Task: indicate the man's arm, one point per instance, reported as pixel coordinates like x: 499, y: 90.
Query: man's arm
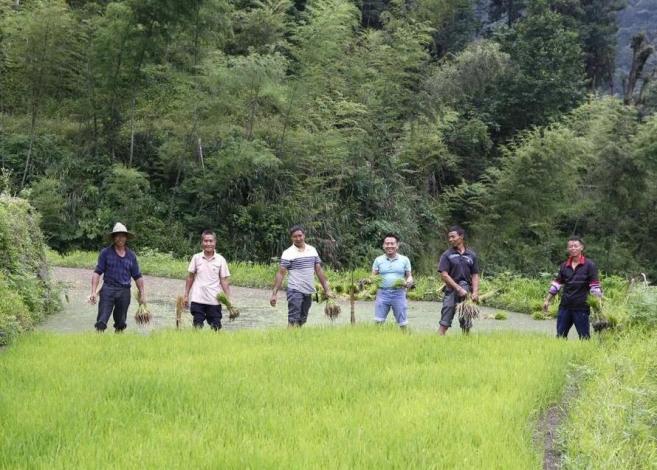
x: 554, y: 289
x: 278, y: 281
x: 225, y: 285
x: 322, y: 279
x: 188, y: 287
x: 95, y: 278
x: 475, y: 287
x: 142, y: 291
x: 444, y: 275
x: 409, y: 278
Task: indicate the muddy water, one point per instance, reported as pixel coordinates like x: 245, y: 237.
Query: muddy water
x: 256, y: 312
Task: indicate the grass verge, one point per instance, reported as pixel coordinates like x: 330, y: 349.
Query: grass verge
x: 334, y: 397
x: 613, y: 423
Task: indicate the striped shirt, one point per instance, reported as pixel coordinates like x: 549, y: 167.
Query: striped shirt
x: 117, y: 270
x: 300, y: 265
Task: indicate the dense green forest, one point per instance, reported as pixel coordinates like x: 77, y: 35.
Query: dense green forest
x: 353, y: 118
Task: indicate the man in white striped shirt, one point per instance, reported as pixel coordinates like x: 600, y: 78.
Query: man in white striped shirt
x: 301, y: 262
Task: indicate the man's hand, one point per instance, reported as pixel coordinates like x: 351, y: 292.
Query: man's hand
x: 92, y: 299
x: 475, y: 297
x: 461, y: 292
x: 142, y: 298
x: 272, y: 300
x: 546, y: 305
x: 186, y: 300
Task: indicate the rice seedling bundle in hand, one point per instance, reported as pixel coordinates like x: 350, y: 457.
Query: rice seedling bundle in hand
x: 143, y: 315
x: 331, y: 309
x: 467, y: 311
x: 180, y: 308
x: 233, y: 312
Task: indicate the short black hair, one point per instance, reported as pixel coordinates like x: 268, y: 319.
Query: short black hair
x: 208, y: 232
x: 390, y: 235
x: 296, y: 228
x: 458, y: 229
x: 575, y: 238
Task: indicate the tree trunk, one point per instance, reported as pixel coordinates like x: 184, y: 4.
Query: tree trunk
x: 352, y: 299
x: 132, y: 130
x: 641, y: 52
x: 29, y: 149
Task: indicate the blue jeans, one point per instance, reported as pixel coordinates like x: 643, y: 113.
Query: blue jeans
x: 387, y: 298
x: 569, y: 316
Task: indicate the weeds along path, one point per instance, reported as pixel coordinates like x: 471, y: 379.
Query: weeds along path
x: 78, y: 315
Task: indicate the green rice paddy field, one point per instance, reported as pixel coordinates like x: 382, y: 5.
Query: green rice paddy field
x: 337, y: 397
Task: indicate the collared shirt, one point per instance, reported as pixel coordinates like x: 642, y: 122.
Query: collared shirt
x: 459, y: 266
x: 208, y: 272
x: 117, y: 270
x: 300, y: 265
x: 577, y: 283
x: 391, y: 269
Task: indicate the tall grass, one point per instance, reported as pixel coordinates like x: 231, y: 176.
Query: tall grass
x: 613, y: 423
x: 336, y: 398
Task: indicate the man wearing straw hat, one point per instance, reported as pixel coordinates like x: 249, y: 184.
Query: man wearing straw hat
x: 118, y: 265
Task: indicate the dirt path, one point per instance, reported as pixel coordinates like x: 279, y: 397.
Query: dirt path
x: 78, y: 315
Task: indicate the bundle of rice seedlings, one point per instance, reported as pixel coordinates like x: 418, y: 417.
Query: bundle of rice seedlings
x: 233, y: 312
x: 467, y: 311
x: 331, y: 309
x: 399, y: 284
x: 143, y: 315
x: 599, y: 322
x: 180, y: 308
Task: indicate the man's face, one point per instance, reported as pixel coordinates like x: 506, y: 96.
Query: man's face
x: 208, y: 243
x: 390, y: 246
x: 298, y: 238
x: 454, y: 239
x: 120, y: 239
x: 575, y: 248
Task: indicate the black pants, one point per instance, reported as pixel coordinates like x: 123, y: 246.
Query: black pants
x: 205, y: 312
x: 113, y: 301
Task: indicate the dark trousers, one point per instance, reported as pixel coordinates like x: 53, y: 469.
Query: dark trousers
x: 568, y: 317
x: 205, y: 312
x: 298, y: 306
x: 113, y: 301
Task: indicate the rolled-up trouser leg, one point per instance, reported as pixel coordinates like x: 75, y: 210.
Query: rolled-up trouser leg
x: 298, y: 306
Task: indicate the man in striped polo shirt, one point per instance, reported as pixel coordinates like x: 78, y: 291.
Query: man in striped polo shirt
x: 301, y: 262
x: 396, y: 276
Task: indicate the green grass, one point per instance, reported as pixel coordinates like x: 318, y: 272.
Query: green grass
x: 613, y: 423
x: 336, y: 397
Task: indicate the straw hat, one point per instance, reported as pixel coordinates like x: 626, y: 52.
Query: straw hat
x: 120, y: 228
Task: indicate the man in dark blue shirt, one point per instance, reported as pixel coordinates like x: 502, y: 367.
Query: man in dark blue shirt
x: 118, y: 265
x: 577, y: 278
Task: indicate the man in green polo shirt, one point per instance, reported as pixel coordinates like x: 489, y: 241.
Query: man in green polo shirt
x: 395, y: 271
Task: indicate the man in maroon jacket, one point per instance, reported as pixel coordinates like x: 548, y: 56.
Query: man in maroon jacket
x: 578, y: 276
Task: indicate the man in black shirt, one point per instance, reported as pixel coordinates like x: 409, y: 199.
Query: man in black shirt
x: 578, y: 276
x: 459, y: 269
